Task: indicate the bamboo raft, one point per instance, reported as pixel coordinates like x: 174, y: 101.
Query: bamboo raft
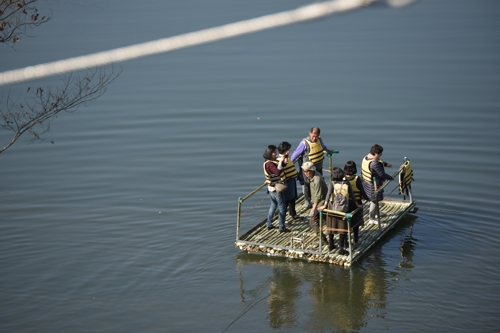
x: 302, y: 242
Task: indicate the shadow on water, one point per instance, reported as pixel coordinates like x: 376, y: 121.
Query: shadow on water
x: 323, y: 297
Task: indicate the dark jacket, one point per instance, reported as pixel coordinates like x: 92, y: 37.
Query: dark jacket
x: 378, y: 172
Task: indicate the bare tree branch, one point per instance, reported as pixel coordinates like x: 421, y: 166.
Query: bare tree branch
x: 16, y: 17
x: 33, y: 114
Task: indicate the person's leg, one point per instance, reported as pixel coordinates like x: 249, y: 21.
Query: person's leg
x: 301, y: 174
x: 314, y: 224
x: 280, y: 200
x: 291, y: 208
x: 343, y: 244
x: 272, y: 209
x: 319, y: 168
x: 331, y: 242
x: 307, y: 191
x: 373, y: 210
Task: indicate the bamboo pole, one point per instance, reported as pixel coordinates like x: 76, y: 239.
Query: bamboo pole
x: 320, y: 233
x: 377, y: 208
x: 349, y: 234
x: 252, y: 193
x: 238, y: 219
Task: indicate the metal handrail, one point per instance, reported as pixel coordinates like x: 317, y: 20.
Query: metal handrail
x: 384, y: 185
x: 346, y: 215
x: 377, y: 190
x: 242, y: 199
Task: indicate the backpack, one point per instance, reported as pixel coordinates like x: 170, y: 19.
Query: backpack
x: 340, y: 202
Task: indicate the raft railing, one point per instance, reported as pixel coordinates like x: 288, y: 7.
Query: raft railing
x: 242, y: 199
x: 359, y: 210
x: 349, y: 228
x: 348, y: 216
x: 384, y: 185
x: 240, y: 202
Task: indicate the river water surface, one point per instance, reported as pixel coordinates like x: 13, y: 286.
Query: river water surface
x: 126, y: 222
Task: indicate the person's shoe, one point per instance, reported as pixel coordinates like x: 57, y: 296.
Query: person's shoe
x: 295, y: 217
x: 373, y: 221
x: 343, y: 252
x: 271, y: 227
x: 331, y: 247
x: 309, y: 204
x: 285, y: 230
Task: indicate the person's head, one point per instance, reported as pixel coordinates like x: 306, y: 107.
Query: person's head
x: 350, y: 168
x: 314, y: 134
x: 337, y: 174
x: 270, y: 153
x: 376, y: 150
x: 284, y: 148
x: 309, y: 169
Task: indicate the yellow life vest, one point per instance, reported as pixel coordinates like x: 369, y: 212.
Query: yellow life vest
x: 339, y: 200
x: 366, y: 173
x: 355, y: 189
x: 315, y: 151
x: 273, y: 179
x: 405, y: 177
x: 341, y: 188
x: 290, y: 171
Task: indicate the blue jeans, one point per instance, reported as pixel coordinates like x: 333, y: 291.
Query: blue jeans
x: 277, y: 202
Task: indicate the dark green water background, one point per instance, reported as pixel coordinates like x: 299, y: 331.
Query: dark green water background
x: 126, y: 223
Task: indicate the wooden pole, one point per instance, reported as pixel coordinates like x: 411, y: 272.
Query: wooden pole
x: 238, y: 219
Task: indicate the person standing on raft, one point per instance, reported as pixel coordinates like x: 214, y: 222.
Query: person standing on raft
x: 372, y: 166
x: 311, y: 149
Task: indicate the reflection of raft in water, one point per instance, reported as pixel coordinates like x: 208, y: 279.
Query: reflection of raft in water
x: 302, y: 242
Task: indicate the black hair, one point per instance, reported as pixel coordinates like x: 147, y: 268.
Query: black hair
x: 350, y: 168
x: 283, y: 147
x: 337, y: 174
x: 376, y: 149
x: 315, y: 129
x: 268, y: 153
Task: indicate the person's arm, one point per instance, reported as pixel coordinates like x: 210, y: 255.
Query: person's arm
x: 359, y: 185
x: 353, y: 196
x: 378, y: 171
x: 323, y: 145
x: 328, y: 195
x: 315, y: 191
x: 272, y: 169
x: 301, y: 148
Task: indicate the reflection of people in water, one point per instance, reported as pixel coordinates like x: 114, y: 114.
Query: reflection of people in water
x: 282, y: 288
x: 342, y: 299
x: 282, y: 294
x: 339, y: 303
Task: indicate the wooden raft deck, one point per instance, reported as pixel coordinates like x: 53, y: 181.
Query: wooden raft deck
x: 301, y: 243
